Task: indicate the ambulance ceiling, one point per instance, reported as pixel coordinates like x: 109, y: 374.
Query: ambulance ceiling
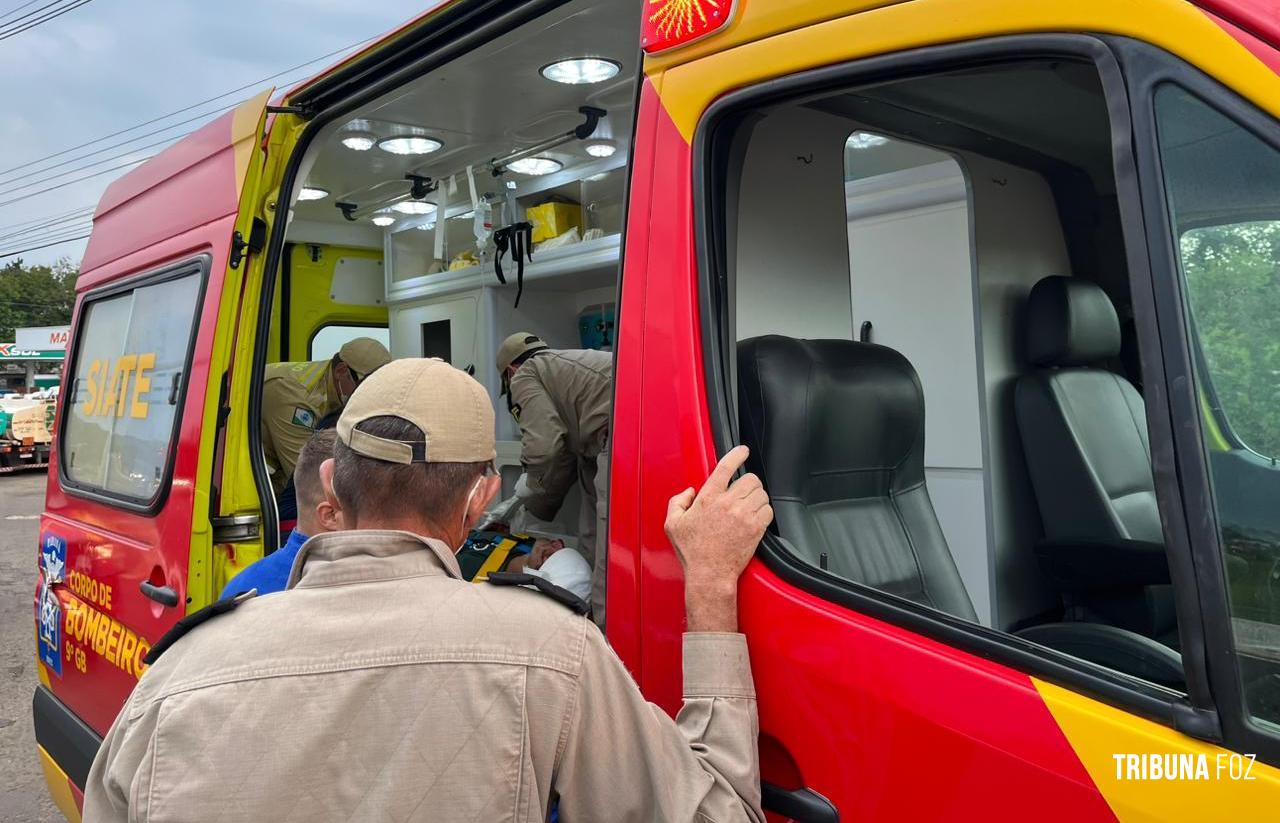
x: 487, y: 103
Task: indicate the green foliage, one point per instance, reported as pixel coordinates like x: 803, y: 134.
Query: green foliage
x: 35, y: 295
x: 1233, y: 276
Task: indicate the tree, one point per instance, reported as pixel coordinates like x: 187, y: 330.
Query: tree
x: 36, y: 295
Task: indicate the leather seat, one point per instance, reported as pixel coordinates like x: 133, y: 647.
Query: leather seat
x: 836, y: 430
x: 1084, y: 434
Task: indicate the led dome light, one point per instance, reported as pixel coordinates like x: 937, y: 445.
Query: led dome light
x: 412, y: 144
x: 359, y: 141
x: 313, y: 193
x: 601, y: 148
x: 579, y: 71
x: 382, y: 220
x: 865, y: 140
x: 535, y: 166
x: 414, y: 207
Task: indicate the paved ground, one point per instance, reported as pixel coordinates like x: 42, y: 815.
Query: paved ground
x: 23, y: 797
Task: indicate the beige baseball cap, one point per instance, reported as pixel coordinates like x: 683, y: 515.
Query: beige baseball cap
x: 515, y: 345
x: 364, y: 355
x: 451, y: 408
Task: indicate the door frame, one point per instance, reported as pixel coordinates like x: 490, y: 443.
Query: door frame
x: 1194, y: 714
x: 1146, y: 68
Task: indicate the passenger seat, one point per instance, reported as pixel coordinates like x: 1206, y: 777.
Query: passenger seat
x: 836, y: 430
x: 1084, y: 433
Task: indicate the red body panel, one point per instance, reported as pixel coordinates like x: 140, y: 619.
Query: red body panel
x: 191, y: 183
x: 1260, y: 18
x: 107, y: 544
x: 852, y: 708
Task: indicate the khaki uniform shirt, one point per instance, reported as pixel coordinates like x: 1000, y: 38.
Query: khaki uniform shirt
x: 562, y: 399
x: 381, y: 686
x: 295, y: 397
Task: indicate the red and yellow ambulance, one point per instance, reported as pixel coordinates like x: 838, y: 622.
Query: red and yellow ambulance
x: 990, y: 288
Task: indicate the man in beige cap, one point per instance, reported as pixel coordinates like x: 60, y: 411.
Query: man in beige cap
x: 297, y: 396
x: 405, y: 693
x: 562, y: 399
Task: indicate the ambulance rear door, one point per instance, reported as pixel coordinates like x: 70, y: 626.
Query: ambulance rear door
x: 129, y: 481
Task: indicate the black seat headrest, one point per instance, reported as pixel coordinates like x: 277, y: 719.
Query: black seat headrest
x: 1070, y: 322
x: 830, y: 419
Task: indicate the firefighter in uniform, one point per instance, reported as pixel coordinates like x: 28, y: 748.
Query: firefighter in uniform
x: 562, y: 399
x: 402, y: 692
x: 297, y: 396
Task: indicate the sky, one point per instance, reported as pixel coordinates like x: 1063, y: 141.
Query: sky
x: 113, y: 64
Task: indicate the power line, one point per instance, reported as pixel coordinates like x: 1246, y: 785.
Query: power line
x: 187, y: 108
x: 119, y: 144
x: 5, y: 35
x: 48, y: 224
x: 88, y: 166
x: 72, y: 181
x: 46, y: 217
x: 50, y: 234
x: 48, y: 238
x: 38, y: 248
x: 17, y: 20
x: 36, y: 234
x: 11, y: 12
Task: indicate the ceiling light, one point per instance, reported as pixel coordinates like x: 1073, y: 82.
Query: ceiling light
x: 359, y: 141
x: 426, y: 226
x: 313, y: 193
x: 410, y: 145
x: 601, y: 148
x: 865, y: 140
x: 382, y: 220
x: 581, y: 70
x: 414, y: 207
x: 535, y: 165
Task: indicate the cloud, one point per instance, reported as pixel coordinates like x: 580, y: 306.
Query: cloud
x: 108, y: 66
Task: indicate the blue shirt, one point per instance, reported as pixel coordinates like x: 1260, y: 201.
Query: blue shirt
x: 271, y: 573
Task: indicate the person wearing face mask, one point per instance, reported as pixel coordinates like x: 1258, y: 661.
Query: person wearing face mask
x: 297, y: 396
x: 402, y: 692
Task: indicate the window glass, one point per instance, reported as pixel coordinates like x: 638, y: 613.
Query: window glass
x: 131, y: 359
x: 326, y: 342
x: 1223, y: 187
x: 885, y: 249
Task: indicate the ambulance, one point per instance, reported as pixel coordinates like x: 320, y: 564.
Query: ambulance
x: 990, y: 288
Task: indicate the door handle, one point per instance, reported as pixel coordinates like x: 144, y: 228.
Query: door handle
x: 801, y: 805
x: 164, y: 595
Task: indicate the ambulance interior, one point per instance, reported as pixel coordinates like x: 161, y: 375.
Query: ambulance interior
x: 382, y: 235
x: 913, y: 220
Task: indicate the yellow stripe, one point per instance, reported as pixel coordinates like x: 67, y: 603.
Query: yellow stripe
x: 1098, y: 732
x: 494, y: 561
x: 59, y: 786
x: 1170, y: 24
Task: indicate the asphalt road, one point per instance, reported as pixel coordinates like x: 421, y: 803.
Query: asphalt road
x: 23, y: 797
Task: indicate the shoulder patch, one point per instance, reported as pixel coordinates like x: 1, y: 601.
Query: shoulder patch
x: 562, y: 596
x: 515, y: 411
x: 304, y: 417
x: 194, y: 619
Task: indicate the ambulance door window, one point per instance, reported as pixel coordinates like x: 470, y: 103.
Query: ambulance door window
x: 131, y: 362
x: 1223, y: 188
x: 328, y: 339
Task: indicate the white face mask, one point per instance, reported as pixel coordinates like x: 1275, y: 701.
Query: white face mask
x: 466, y: 509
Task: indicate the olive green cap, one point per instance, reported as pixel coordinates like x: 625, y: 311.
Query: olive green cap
x: 364, y: 355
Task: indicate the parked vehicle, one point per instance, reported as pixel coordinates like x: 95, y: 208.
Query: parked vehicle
x: 987, y: 286
x: 26, y: 432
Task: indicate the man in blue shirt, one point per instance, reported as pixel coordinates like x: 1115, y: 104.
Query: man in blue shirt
x: 315, y: 515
